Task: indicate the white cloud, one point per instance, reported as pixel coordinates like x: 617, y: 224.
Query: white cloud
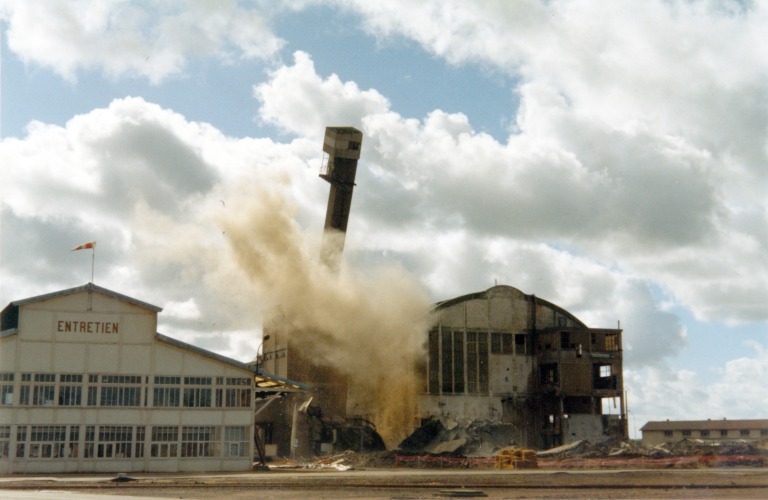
x: 636, y: 163
x: 661, y: 392
x: 144, y: 39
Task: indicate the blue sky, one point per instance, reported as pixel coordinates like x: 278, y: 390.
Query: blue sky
x: 611, y: 158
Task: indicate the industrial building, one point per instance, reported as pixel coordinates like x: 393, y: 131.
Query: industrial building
x: 530, y: 370
x: 500, y: 356
x: 518, y: 360
x: 712, y: 431
x: 88, y: 385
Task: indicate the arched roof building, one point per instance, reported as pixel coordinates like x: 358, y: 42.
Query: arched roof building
x: 526, y: 364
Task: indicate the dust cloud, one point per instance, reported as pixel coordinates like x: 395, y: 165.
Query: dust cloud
x: 368, y: 325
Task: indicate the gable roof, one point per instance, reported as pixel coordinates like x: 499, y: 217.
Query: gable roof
x: 88, y: 287
x: 712, y: 425
x: 9, y: 317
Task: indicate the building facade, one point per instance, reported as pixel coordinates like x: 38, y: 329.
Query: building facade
x: 88, y: 385
x: 714, y: 431
x: 515, y: 359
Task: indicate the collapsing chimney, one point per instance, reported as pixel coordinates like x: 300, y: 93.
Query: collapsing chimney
x: 342, y: 144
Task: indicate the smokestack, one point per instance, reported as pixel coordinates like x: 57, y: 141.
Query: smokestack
x: 342, y: 145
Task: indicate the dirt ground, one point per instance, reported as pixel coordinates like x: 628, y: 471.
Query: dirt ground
x: 414, y: 484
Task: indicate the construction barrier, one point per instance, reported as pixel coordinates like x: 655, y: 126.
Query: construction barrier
x: 516, y: 458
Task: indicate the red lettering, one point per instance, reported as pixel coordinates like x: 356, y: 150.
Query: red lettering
x: 114, y: 328
x: 82, y: 327
x: 60, y: 324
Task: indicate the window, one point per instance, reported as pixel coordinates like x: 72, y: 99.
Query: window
x: 446, y: 359
x: 452, y: 360
x: 744, y: 432
x: 565, y: 340
x: 21, y: 440
x: 166, y: 395
x: 120, y: 396
x: 605, y: 370
x: 6, y: 388
x: 37, y: 389
x: 723, y: 432
x: 70, y: 394
x: 501, y: 343
x: 90, y: 441
x: 197, y: 397
x: 120, y: 390
x: 47, y: 441
x: 238, y: 396
x: 549, y: 373
x: 686, y: 433
x: 433, y: 353
x: 764, y: 432
x: 115, y: 441
x: 234, y: 398
x: 165, y: 441
x: 5, y: 441
x: 611, y: 342
x: 74, y: 442
x: 197, y: 380
x: 703, y: 433
x: 198, y: 441
x: 236, y: 441
x: 520, y: 344
x: 472, y: 367
x: 668, y: 433
x: 458, y: 362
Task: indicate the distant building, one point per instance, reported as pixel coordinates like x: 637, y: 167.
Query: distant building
x: 671, y: 431
x: 88, y: 385
x: 515, y: 359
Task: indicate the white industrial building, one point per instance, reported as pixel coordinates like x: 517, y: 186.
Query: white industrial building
x: 88, y: 385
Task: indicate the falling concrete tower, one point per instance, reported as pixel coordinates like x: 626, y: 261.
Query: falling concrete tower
x: 342, y: 145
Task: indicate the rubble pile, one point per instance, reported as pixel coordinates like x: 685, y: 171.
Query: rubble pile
x: 451, y: 444
x: 706, y: 452
x: 473, y: 438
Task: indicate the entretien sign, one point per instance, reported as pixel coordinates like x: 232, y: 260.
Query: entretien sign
x: 98, y: 327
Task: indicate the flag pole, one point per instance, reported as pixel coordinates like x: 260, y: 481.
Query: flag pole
x: 92, y: 246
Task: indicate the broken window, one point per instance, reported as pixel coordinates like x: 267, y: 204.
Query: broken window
x: 520, y: 344
x: 549, y: 373
x: 602, y: 378
x: 565, y: 340
x: 611, y: 342
x: 611, y: 406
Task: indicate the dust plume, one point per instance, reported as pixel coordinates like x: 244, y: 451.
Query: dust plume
x: 366, y: 324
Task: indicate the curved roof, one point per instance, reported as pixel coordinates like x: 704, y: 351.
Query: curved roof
x: 507, y: 290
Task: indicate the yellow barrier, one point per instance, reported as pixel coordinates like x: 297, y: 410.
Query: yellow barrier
x: 516, y: 458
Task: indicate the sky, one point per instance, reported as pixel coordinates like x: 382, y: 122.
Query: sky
x: 610, y: 157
